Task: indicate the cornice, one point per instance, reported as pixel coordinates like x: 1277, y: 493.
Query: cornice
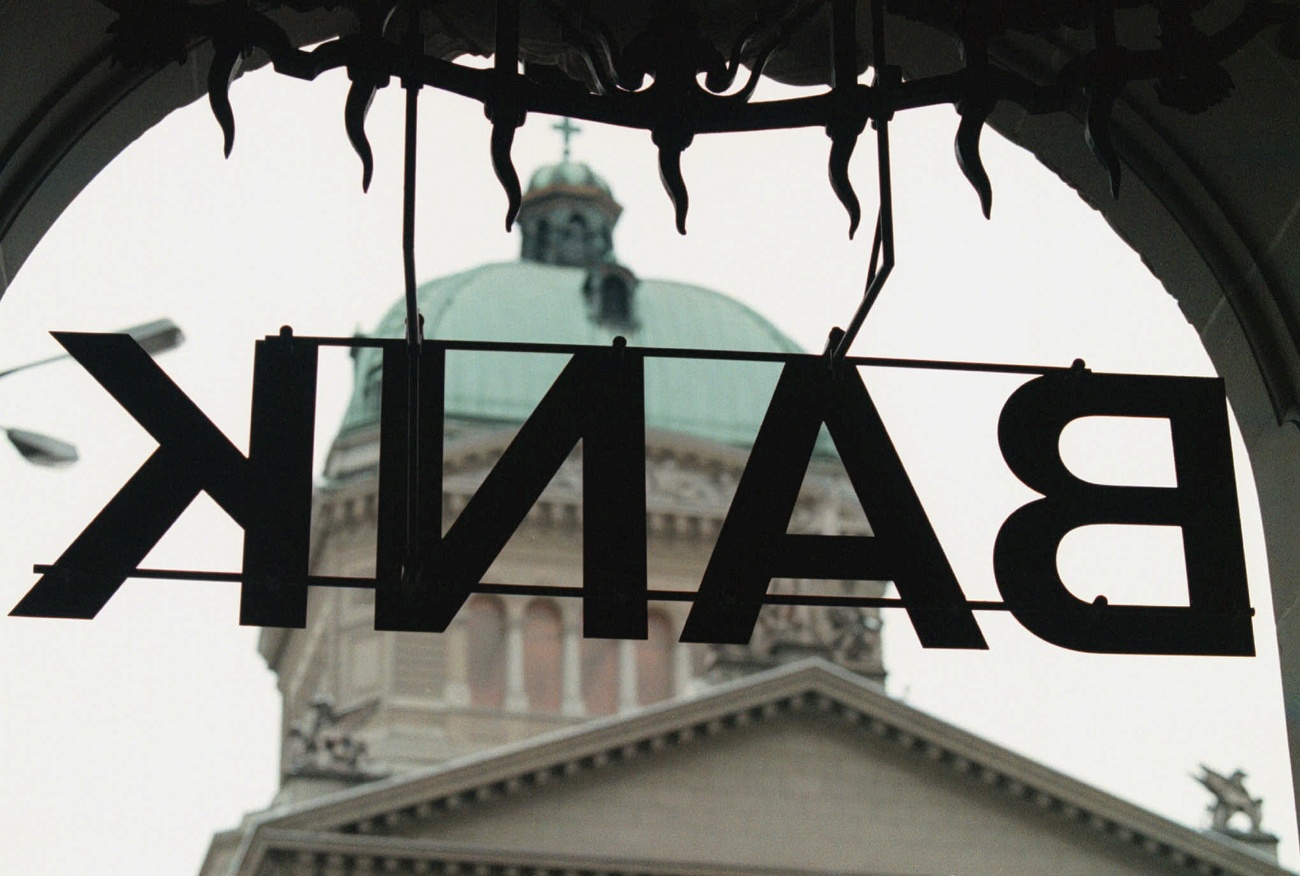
x: 689, y: 487
x: 341, y: 853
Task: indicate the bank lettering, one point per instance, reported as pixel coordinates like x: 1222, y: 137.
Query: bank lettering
x: 598, y: 399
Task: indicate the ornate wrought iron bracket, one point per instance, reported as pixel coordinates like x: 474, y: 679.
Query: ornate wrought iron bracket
x: 690, y: 77
x: 690, y: 80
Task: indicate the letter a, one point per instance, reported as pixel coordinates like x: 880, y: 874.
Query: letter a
x: 753, y: 546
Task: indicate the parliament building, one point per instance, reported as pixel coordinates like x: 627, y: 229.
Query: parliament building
x: 512, y: 745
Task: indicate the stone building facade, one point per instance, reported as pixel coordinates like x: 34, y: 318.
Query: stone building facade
x: 509, y: 668
x: 512, y: 746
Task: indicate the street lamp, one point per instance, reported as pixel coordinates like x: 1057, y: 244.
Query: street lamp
x: 41, y: 449
x: 154, y: 337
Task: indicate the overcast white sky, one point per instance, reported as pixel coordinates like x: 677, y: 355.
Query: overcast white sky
x: 132, y: 738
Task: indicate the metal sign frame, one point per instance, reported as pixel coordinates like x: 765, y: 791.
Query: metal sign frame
x: 423, y: 576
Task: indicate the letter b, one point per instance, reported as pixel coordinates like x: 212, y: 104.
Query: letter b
x: 1216, y: 620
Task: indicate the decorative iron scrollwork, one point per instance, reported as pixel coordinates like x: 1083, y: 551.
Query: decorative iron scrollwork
x: 602, y: 77
x: 226, y: 64
x: 506, y: 107
x: 976, y: 103
x: 690, y: 77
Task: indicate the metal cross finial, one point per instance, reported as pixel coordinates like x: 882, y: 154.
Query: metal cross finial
x: 567, y: 129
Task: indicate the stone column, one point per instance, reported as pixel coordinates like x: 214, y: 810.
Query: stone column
x: 455, y: 690
x: 626, y: 675
x: 571, y: 703
x: 682, y: 675
x: 516, y: 696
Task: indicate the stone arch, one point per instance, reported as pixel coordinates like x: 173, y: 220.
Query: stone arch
x: 543, y: 655
x: 654, y: 660
x: 600, y: 676
x: 485, y: 622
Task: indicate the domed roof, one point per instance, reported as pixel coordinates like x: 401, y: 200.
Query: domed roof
x: 573, y: 174
x: 539, y: 303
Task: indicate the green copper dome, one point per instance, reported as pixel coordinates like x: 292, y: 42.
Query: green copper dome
x: 572, y: 174
x: 569, y: 288
x: 539, y: 303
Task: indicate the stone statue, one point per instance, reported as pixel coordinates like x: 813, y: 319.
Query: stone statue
x: 322, y: 741
x: 1231, y: 797
x: 846, y: 635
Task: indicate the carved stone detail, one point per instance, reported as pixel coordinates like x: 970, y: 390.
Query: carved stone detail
x: 1230, y: 798
x: 322, y: 742
x: 846, y: 635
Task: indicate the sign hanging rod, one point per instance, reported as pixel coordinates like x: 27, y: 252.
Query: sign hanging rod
x: 554, y: 591
x: 693, y: 353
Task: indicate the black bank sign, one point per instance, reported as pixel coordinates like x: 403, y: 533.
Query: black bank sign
x: 599, y: 398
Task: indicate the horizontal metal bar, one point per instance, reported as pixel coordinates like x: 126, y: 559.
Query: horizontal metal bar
x: 695, y: 353
x: 942, y: 365
x: 538, y: 589
x: 561, y: 592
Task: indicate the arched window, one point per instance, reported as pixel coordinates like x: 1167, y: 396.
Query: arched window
x: 571, y: 242
x: 485, y: 624
x: 542, y: 656
x: 654, y: 662
x: 542, y: 244
x: 615, y: 301
x: 600, y: 676
x: 609, y: 291
x: 373, y: 386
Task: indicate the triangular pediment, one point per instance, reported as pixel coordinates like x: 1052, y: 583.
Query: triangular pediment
x: 787, y: 788
x: 802, y: 769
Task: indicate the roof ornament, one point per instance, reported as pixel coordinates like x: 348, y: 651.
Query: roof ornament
x: 1230, y: 798
x: 567, y: 130
x: 847, y: 635
x: 322, y: 742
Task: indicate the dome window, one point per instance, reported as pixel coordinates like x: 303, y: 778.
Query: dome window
x: 572, y: 246
x: 609, y: 292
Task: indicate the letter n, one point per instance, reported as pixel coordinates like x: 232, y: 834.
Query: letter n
x: 599, y: 398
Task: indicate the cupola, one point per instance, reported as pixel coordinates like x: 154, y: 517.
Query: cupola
x: 568, y: 213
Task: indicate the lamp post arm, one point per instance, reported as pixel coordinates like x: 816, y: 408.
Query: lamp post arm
x: 155, y: 337
x: 38, y: 362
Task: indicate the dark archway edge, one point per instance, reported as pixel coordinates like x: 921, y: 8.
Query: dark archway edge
x: 1211, y: 203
